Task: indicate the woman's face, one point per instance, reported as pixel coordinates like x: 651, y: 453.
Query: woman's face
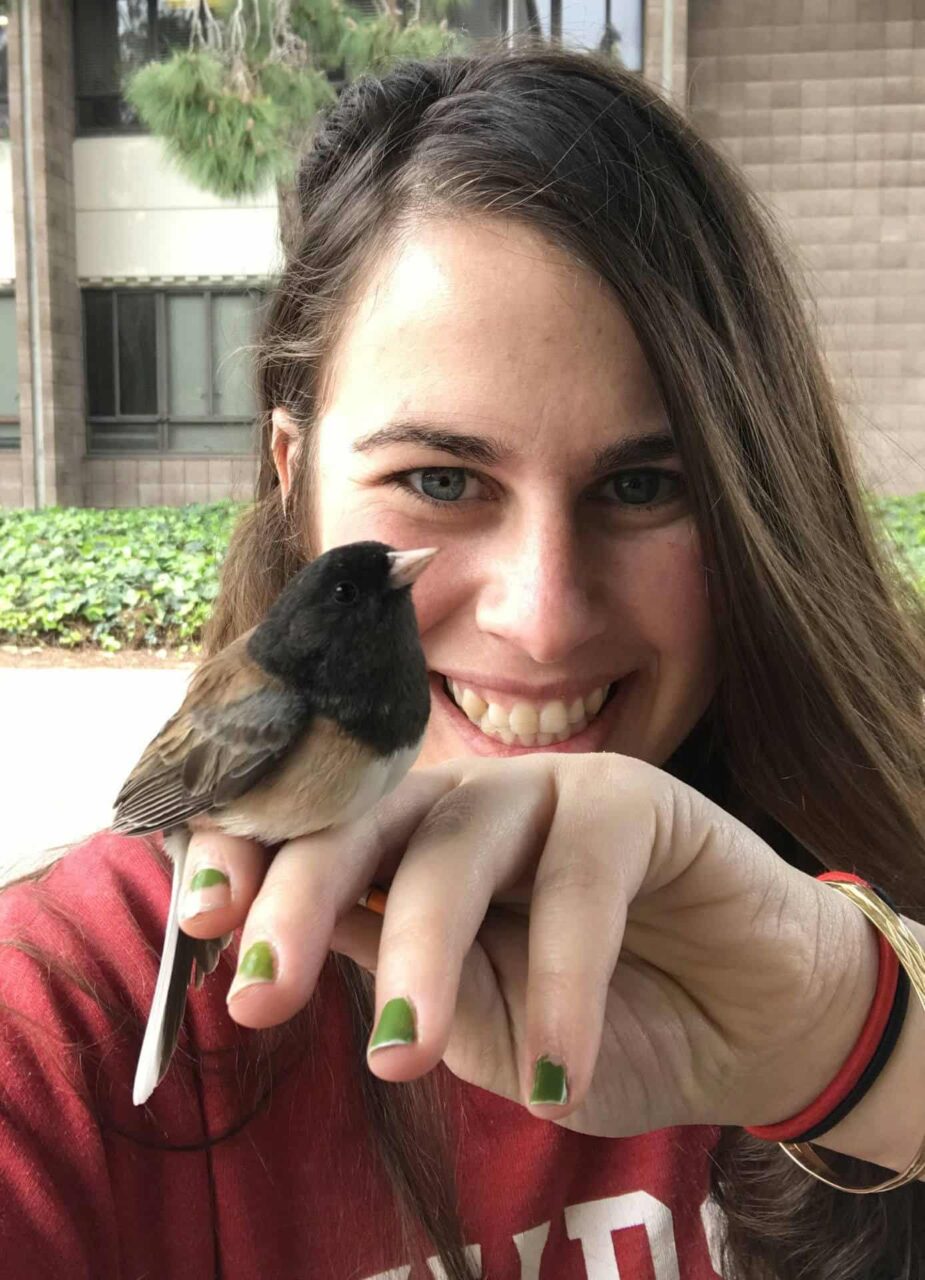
x: 489, y: 398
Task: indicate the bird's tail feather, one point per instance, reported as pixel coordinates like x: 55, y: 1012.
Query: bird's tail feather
x: 172, y: 980
x: 179, y: 954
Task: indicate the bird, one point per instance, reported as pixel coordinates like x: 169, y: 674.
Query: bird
x: 303, y: 722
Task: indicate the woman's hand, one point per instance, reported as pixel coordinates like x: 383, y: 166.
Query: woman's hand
x: 589, y: 910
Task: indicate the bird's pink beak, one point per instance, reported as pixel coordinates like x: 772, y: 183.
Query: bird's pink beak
x: 407, y: 566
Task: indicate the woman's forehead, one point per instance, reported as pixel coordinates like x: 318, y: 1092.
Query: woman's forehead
x: 490, y: 323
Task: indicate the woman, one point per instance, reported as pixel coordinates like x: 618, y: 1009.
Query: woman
x: 535, y: 320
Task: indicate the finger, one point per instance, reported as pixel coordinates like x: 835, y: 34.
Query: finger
x: 488, y: 1022
x: 357, y: 935
x: 584, y: 882
x: 222, y: 877
x: 475, y: 841
x: 312, y: 882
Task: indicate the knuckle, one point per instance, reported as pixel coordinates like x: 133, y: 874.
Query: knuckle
x: 557, y: 990
x: 428, y: 934
x: 578, y: 874
x: 450, y: 816
x: 295, y: 895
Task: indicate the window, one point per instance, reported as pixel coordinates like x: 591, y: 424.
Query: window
x: 113, y: 38
x: 585, y: 24
x: 9, y: 379
x: 170, y: 371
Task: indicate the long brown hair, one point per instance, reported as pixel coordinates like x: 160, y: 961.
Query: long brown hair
x: 816, y: 735
x: 817, y: 725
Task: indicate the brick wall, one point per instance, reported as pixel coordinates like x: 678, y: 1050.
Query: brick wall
x: 146, y: 482
x: 822, y: 102
x: 11, y: 486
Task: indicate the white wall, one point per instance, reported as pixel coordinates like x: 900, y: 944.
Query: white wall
x: 138, y: 218
x: 7, y: 246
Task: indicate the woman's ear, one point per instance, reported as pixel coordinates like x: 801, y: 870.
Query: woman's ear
x: 284, y: 445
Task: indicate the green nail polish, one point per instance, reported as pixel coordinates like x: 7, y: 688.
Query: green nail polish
x: 205, y: 877
x: 549, y: 1085
x: 396, y: 1025
x: 258, y: 963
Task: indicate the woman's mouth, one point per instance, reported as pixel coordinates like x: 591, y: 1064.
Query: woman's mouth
x: 567, y: 724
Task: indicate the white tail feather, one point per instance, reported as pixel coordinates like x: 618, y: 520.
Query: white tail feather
x: 148, y: 1071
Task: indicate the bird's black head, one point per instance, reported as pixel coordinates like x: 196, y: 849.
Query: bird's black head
x: 344, y: 634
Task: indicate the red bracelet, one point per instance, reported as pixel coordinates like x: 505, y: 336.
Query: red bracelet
x: 860, y: 1055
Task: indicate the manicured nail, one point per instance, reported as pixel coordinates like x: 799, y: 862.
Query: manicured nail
x: 396, y: 1025
x: 208, y: 889
x: 256, y: 965
x: 549, y: 1084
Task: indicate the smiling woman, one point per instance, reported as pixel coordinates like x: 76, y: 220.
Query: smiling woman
x: 536, y: 322
x: 547, y: 328
x: 553, y: 544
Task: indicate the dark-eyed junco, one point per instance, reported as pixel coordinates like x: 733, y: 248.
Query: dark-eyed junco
x: 305, y: 721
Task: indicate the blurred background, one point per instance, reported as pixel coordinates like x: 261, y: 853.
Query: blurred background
x: 146, y: 161
x: 126, y: 285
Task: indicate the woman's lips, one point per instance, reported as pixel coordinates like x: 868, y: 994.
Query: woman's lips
x: 591, y: 738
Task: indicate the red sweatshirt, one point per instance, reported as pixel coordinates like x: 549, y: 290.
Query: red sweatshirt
x: 87, y: 1188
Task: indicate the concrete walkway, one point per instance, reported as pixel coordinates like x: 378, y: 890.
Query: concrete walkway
x: 68, y: 737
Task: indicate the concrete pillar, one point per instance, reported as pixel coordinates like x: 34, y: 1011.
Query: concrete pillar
x: 48, y: 312
x: 664, y: 47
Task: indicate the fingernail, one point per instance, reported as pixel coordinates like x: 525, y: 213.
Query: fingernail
x: 549, y: 1083
x: 257, y: 965
x: 395, y: 1026
x: 208, y: 889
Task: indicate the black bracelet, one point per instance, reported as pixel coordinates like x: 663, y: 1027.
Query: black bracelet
x: 894, y: 1025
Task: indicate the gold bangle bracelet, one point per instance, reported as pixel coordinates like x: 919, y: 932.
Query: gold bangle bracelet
x: 911, y: 956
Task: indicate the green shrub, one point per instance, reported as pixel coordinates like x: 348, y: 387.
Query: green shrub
x: 146, y: 577
x: 111, y: 579
x: 903, y: 519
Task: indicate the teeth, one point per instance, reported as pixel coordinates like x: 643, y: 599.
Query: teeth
x: 522, y: 718
x: 527, y: 724
x: 497, y: 716
x: 554, y: 717
x: 474, y: 706
x: 595, y: 702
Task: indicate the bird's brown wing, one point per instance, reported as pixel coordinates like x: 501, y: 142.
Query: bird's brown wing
x: 234, y: 724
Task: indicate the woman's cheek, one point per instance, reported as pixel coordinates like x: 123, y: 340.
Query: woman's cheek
x: 379, y: 523
x: 682, y: 615
x: 344, y: 520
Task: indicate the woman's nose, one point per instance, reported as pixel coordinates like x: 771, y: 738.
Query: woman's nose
x: 538, y: 591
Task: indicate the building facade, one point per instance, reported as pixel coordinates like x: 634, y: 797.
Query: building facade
x: 128, y: 297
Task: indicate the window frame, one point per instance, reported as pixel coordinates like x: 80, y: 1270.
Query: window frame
x: 111, y: 130
x: 162, y: 420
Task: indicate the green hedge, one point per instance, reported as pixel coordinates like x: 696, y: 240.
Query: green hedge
x: 111, y: 579
x: 146, y: 577
x: 904, y: 521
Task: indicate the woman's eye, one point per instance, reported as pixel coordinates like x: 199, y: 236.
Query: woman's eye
x: 443, y: 485
x: 646, y: 487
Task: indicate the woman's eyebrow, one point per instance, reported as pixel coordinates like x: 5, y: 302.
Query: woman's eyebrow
x: 483, y: 449
x: 631, y: 450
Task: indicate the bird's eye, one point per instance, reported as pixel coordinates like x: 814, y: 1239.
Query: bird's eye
x: 345, y: 593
